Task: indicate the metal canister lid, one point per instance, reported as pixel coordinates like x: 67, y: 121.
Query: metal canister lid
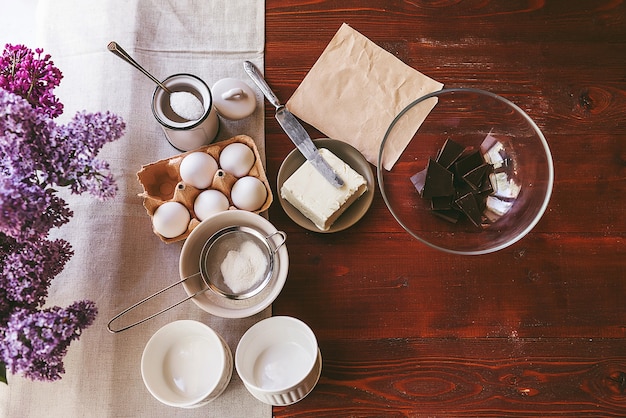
x: 233, y: 98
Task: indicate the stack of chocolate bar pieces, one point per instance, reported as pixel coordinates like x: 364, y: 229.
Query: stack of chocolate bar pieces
x: 456, y: 182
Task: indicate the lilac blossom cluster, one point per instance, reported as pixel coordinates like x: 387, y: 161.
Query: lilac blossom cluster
x: 32, y: 77
x: 38, y: 156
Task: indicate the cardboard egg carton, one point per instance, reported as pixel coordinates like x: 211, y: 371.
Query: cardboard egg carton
x: 161, y: 182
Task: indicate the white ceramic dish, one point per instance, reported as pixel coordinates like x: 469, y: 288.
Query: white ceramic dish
x: 214, y: 303
x: 278, y: 360
x: 186, y: 364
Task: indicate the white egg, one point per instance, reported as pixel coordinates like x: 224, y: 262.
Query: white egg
x: 248, y: 193
x: 237, y: 159
x: 197, y: 169
x: 171, y: 219
x: 209, y: 202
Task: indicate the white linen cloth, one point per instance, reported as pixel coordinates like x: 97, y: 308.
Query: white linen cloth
x: 118, y: 260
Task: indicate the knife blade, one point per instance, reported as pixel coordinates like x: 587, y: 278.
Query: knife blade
x: 294, y: 129
x: 305, y: 145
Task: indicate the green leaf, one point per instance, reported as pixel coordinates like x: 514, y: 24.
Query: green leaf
x: 3, y: 373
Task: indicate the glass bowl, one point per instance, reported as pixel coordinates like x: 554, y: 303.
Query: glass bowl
x: 428, y: 188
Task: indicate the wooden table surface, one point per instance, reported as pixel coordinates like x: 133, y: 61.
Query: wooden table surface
x: 536, y: 329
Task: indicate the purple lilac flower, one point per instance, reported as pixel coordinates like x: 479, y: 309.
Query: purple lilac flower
x: 72, y: 161
x: 37, y: 155
x: 22, y: 127
x: 32, y: 77
x: 26, y: 271
x: 32, y: 146
x: 34, y: 343
x: 28, y: 212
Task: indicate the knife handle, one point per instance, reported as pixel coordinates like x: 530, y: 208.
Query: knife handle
x: 261, y: 83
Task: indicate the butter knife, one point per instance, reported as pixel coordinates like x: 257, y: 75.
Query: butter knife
x: 294, y: 128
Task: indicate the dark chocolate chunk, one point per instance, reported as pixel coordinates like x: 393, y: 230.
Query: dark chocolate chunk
x: 449, y: 215
x: 476, y: 177
x: 470, y: 208
x: 457, y: 182
x: 487, y: 187
x: 441, y: 202
x: 449, y: 153
x: 468, y: 163
x: 461, y: 189
x: 439, y: 181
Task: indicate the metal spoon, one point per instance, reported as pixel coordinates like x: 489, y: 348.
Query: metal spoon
x: 180, y: 108
x: 119, y: 51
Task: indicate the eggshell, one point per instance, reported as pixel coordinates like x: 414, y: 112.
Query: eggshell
x: 248, y: 193
x: 237, y: 159
x: 209, y: 202
x: 197, y: 169
x: 171, y: 219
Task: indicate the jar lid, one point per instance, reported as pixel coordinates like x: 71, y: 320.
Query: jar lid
x: 233, y: 98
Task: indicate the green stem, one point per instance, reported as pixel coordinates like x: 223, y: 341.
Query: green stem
x: 3, y: 373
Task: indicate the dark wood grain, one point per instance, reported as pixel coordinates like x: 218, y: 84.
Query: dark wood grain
x: 537, y: 329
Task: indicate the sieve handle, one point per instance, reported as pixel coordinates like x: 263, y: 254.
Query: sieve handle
x: 125, y: 311
x: 277, y: 246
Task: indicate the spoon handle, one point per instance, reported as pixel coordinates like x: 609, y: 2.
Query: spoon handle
x: 119, y: 51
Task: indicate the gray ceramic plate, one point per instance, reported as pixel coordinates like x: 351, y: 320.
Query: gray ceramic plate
x: 350, y: 156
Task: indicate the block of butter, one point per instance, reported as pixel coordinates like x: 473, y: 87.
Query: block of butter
x: 316, y: 198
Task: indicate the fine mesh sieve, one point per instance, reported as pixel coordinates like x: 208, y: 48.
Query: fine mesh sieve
x: 236, y: 262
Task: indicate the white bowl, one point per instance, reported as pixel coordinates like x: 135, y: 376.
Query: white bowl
x: 212, y: 302
x: 278, y: 360
x: 186, y: 364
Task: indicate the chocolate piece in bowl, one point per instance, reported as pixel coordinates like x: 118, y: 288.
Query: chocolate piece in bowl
x: 469, y: 206
x: 439, y: 180
x: 467, y: 163
x: 450, y: 152
x: 475, y: 178
x: 470, y: 182
x: 450, y: 215
x: 441, y: 202
x: 457, y: 183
